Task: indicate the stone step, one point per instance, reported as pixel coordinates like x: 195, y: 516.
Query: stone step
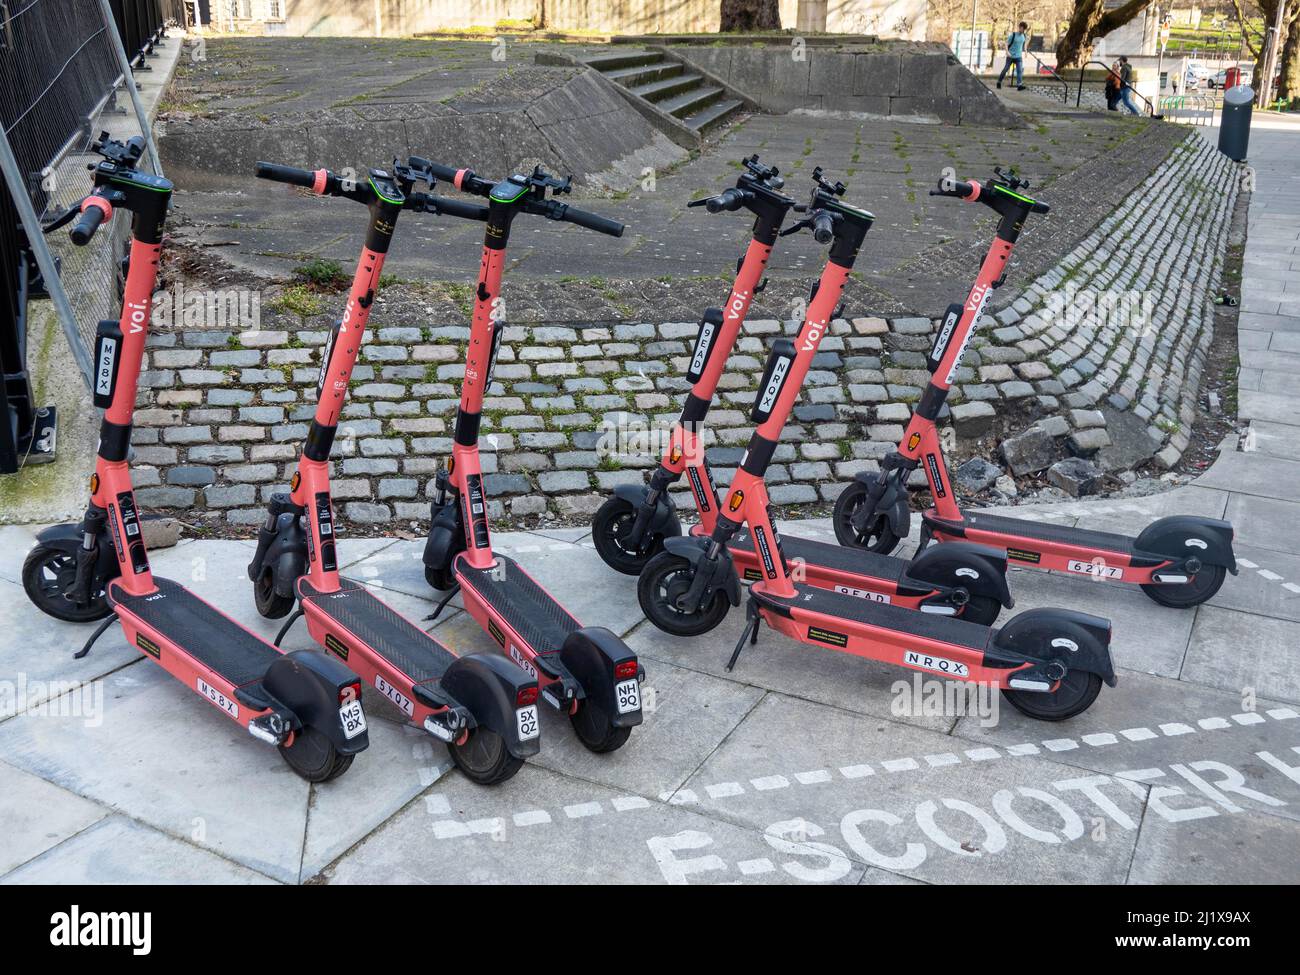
x: 691, y: 102
x: 657, y: 91
x: 642, y: 74
x: 713, y: 115
x: 623, y: 59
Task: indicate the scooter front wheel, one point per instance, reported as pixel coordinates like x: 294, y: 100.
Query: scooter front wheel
x: 1074, y: 694
x: 592, y: 725
x: 664, y: 581
x: 269, y: 603
x: 879, y: 535
x: 484, y: 757
x: 48, y: 573
x: 313, y: 756
x: 609, y: 532
x: 1203, y: 585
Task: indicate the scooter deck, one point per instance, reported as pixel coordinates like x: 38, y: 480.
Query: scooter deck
x: 383, y: 629
x: 201, y: 630
x: 838, y: 558
x: 947, y: 629
x: 1038, y: 531
x: 526, y: 607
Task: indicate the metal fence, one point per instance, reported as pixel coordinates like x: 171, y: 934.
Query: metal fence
x: 63, y: 64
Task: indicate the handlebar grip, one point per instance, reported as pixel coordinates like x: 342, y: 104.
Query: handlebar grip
x: 92, y: 215
x: 593, y: 221
x: 457, y: 208
x: 823, y: 227
x: 286, y: 174
x: 1040, y: 207
x: 445, y: 173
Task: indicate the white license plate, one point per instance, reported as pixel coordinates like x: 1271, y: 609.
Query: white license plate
x: 628, y: 696
x: 353, y: 718
x: 526, y: 721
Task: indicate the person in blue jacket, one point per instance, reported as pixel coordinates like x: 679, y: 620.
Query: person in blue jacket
x: 1016, y: 42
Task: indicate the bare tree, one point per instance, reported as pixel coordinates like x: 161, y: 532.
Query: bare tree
x: 751, y: 15
x: 1288, y: 57
x: 1090, y: 21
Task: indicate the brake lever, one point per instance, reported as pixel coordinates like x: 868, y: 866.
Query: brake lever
x: 699, y: 203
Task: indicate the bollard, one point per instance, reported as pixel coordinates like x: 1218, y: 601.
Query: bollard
x: 1234, y: 124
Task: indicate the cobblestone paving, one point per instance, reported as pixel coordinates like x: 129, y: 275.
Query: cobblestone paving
x: 222, y: 415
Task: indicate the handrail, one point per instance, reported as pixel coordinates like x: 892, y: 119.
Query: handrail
x: 1051, y: 72
x: 1101, y: 64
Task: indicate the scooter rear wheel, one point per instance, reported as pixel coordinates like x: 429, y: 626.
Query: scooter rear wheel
x: 314, y: 757
x: 609, y: 531
x: 269, y: 603
x: 484, y: 757
x: 48, y: 573
x: 1203, y: 585
x: 879, y: 536
x: 663, y: 582
x: 1073, y: 695
x: 983, y: 610
x: 594, y: 729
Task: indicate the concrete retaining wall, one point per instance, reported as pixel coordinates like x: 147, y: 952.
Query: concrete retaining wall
x: 887, y: 80
x: 579, y: 127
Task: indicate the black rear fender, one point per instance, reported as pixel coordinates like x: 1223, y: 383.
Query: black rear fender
x: 488, y: 686
x: 310, y: 685
x: 1189, y: 536
x: 979, y: 569
x: 1079, y: 640
x: 595, y: 657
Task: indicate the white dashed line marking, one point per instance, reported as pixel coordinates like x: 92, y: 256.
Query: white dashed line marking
x: 1026, y: 749
x: 1214, y: 724
x: 1248, y: 717
x: 1138, y: 734
x: 899, y: 765
x: 939, y: 761
x: 627, y: 803
x: 815, y: 777
x: 857, y: 771
x: 769, y: 782
x: 1060, y: 744
x: 1174, y: 729
x: 1105, y: 738
x: 582, y: 809
x: 1270, y: 576
x: 1281, y: 714
x: 534, y: 817
x: 983, y: 754
x: 724, y: 790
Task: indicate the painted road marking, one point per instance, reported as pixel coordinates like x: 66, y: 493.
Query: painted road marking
x: 455, y: 829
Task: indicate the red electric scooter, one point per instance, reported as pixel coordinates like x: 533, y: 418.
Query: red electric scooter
x: 1049, y: 663
x: 585, y: 672
x: 481, y: 705
x: 630, y: 527
x: 305, y: 703
x: 1179, y: 561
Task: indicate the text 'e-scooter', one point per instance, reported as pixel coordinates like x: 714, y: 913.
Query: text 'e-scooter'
x: 482, y: 706
x: 1049, y: 663
x: 305, y: 703
x: 1179, y: 561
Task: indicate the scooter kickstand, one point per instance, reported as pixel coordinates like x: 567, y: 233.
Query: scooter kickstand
x: 95, y: 636
x: 442, y: 603
x: 288, y: 623
x: 750, y: 632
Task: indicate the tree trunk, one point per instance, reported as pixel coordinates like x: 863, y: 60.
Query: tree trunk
x: 1089, y: 21
x: 1289, y: 85
x: 751, y: 15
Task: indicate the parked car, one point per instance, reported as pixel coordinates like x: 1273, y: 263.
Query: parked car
x: 1219, y: 79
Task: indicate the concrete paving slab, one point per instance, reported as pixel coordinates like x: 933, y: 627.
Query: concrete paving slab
x: 38, y: 816
x: 544, y: 828
x: 1258, y: 474
x: 15, y: 542
x: 1276, y: 407
x: 165, y: 757
x: 1247, y: 848
x: 1237, y: 651
x: 1268, y: 584
x: 1277, y: 439
x: 921, y: 809
x: 1264, y: 522
x: 119, y: 851
x: 687, y: 715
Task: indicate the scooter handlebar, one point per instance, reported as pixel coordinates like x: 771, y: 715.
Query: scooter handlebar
x: 451, y: 208
x: 592, y: 221
x: 92, y: 215
x: 286, y: 174
x: 959, y: 188
x: 729, y: 199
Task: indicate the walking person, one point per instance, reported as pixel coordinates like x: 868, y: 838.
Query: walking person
x: 1127, y: 78
x: 1113, y: 85
x: 1016, y: 42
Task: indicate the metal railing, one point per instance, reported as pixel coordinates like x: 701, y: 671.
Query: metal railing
x: 1083, y: 69
x: 1051, y: 73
